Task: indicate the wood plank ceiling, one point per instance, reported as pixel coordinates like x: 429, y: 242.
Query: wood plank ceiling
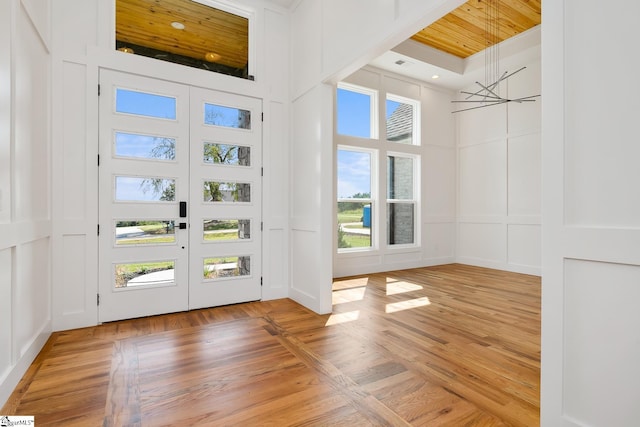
x: 209, y: 34
x: 462, y: 32
x: 215, y: 36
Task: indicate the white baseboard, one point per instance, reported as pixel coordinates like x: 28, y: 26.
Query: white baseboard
x: 9, y: 382
x: 513, y: 268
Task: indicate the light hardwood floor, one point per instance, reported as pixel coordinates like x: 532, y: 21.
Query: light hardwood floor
x: 450, y: 345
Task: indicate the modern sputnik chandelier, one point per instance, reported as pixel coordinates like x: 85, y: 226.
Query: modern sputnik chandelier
x: 489, y: 93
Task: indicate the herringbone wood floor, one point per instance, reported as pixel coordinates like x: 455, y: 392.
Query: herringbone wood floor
x: 450, y: 345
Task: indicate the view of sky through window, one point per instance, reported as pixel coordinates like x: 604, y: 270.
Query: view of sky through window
x: 145, y: 104
x: 354, y: 113
x: 354, y: 174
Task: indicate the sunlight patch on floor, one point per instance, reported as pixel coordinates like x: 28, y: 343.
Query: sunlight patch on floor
x: 395, y: 287
x: 339, y: 284
x: 348, y: 295
x: 338, y: 318
x: 407, y: 305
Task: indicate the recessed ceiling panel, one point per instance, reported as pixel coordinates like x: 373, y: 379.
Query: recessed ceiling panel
x: 463, y: 32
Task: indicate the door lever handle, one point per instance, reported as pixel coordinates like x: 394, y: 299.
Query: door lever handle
x: 182, y: 226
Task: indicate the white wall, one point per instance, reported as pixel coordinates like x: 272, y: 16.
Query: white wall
x: 25, y: 187
x: 437, y: 150
x: 499, y: 177
x: 591, y: 215
x: 331, y: 40
x: 84, y: 40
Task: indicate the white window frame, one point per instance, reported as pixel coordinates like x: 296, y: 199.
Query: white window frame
x: 372, y: 200
x: 415, y: 136
x: 415, y: 199
x: 374, y: 130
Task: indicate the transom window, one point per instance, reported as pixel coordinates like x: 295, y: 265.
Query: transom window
x: 205, y: 34
x: 357, y: 111
x: 401, y: 120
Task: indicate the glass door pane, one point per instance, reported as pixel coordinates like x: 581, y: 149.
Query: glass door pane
x: 143, y: 174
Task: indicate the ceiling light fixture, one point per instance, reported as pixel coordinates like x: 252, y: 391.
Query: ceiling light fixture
x: 126, y: 50
x: 435, y: 76
x: 489, y: 92
x: 177, y: 25
x: 211, y: 57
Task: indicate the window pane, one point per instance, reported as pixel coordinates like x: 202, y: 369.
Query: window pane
x: 215, y: 191
x: 145, y: 104
x: 144, y: 274
x: 219, y: 115
x: 354, y: 113
x: 145, y: 146
x: 399, y: 177
x: 354, y: 224
x: 144, y: 189
x: 145, y: 232
x: 225, y: 267
x: 400, y: 223
x: 225, y: 230
x: 399, y: 122
x: 354, y: 175
x: 224, y: 154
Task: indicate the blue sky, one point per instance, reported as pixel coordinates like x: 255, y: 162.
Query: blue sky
x: 141, y: 146
x: 354, y: 173
x: 353, y: 119
x: 354, y: 168
x: 129, y: 188
x: 145, y: 104
x: 135, y: 145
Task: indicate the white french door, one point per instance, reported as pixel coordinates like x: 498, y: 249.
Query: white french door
x: 225, y: 199
x: 179, y: 196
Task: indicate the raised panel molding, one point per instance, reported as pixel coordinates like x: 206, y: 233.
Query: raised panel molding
x: 601, y: 342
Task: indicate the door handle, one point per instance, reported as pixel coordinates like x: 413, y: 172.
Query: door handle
x: 183, y: 209
x: 182, y: 226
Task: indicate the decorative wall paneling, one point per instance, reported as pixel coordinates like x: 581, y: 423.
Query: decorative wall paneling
x: 25, y: 186
x: 591, y: 216
x: 500, y: 180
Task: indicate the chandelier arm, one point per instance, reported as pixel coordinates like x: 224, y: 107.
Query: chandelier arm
x: 485, y: 101
x: 476, y: 94
x: 525, y: 99
x: 481, y: 106
x: 489, y: 91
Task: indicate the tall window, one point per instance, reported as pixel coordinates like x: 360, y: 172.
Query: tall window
x: 367, y: 153
x: 355, y: 204
x: 401, y: 202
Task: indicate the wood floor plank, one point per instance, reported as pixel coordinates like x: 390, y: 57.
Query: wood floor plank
x: 437, y: 346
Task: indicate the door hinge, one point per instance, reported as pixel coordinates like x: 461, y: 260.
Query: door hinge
x: 98, y: 159
x: 262, y: 117
x: 98, y: 90
x: 260, y: 281
x: 261, y: 171
x: 98, y: 229
x: 261, y: 225
x: 98, y: 299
